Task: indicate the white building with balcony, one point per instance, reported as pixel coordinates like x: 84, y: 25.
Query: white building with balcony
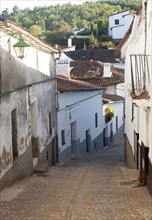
x: 137, y: 53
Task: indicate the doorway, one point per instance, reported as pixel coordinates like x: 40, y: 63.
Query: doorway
x: 88, y: 141
x: 73, y: 138
x: 34, y: 138
x: 111, y: 133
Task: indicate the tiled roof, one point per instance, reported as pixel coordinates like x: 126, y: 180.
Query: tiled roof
x: 121, y: 12
x: 111, y: 98
x: 117, y: 71
x: 104, y: 82
x: 92, y: 72
x: 64, y: 84
x: 16, y: 30
x: 104, y: 55
x: 86, y: 69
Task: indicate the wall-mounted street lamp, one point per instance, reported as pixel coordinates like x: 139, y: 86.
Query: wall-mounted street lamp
x: 21, y: 48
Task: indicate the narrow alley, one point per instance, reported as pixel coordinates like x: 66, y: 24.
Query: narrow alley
x: 96, y: 186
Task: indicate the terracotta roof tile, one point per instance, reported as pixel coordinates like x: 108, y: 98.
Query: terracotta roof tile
x: 28, y: 37
x: 92, y: 72
x: 111, y: 98
x: 104, y: 82
x: 65, y: 84
x: 86, y: 69
x: 102, y: 55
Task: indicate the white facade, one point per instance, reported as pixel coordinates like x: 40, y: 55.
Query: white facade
x: 116, y: 123
x: 27, y: 112
x: 137, y: 52
x: 73, y: 112
x: 76, y: 115
x: 119, y: 24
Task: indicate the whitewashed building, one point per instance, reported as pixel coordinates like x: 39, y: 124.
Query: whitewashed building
x: 80, y: 118
x: 119, y: 24
x: 98, y: 76
x: 136, y: 50
x: 111, y: 127
x: 28, y: 127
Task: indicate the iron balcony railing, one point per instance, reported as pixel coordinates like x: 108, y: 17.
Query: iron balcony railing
x: 139, y: 74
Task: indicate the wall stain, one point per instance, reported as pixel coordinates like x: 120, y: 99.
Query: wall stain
x: 6, y: 158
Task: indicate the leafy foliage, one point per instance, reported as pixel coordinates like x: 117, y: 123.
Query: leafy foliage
x: 58, y: 22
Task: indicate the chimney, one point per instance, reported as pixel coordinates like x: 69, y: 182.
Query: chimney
x: 63, y: 67
x: 69, y: 42
x: 106, y: 70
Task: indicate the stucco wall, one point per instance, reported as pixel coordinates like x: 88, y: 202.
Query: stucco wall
x: 139, y: 42
x: 29, y: 86
x: 80, y: 108
x: 117, y: 31
x: 114, y: 124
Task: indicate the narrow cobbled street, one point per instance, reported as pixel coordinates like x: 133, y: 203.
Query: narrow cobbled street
x: 96, y: 186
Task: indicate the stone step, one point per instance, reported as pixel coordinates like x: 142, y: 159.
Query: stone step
x: 41, y: 168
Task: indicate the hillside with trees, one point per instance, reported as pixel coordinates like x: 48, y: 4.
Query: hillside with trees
x: 57, y: 23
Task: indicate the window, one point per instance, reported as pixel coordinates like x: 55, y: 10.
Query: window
x: 63, y: 136
x: 14, y: 134
x: 117, y: 21
x: 50, y: 123
x: 96, y: 120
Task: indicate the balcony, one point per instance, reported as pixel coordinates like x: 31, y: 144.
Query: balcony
x: 140, y: 79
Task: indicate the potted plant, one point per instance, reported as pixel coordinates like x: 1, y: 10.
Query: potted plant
x: 109, y: 113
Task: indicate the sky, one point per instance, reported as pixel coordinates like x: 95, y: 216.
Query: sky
x: 32, y: 3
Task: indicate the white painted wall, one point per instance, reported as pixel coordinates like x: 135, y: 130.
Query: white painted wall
x: 111, y: 89
x: 80, y: 107
x: 36, y: 67
x: 34, y: 59
x: 142, y: 122
x: 117, y: 31
x: 118, y: 112
x: 63, y: 65
x: 120, y: 89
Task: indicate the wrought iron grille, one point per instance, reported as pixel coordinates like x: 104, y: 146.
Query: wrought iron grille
x: 139, y: 73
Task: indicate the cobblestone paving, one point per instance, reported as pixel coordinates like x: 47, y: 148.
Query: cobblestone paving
x: 95, y: 186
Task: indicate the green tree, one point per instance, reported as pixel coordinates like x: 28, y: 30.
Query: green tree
x: 59, y: 21
x: 93, y: 42
x: 36, y: 29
